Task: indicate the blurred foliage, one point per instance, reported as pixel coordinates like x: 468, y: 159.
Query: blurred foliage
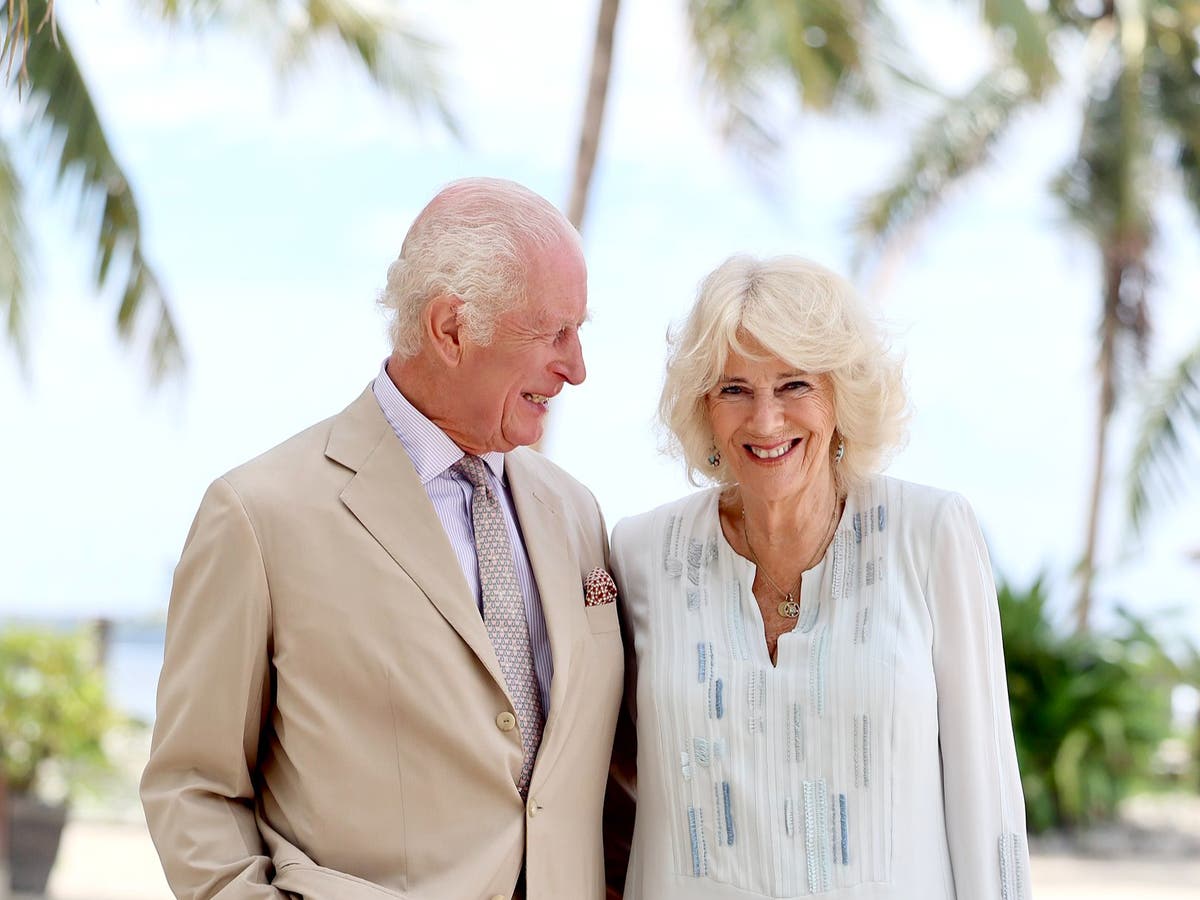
x: 1089, y: 710
x: 53, y: 706
x: 1164, y: 458
x: 61, y: 128
x: 1138, y: 145
x: 1188, y: 670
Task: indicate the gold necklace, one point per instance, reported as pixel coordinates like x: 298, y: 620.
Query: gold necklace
x: 788, y: 607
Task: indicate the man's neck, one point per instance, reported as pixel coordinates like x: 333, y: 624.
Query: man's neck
x: 423, y: 383
x: 412, y: 379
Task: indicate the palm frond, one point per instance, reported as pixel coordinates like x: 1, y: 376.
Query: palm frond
x: 1160, y: 458
x: 394, y: 53
x: 192, y: 11
x: 13, y: 253
x: 379, y: 36
x: 732, y: 56
x: 1024, y: 36
x: 15, y: 22
x: 950, y: 147
x: 1173, y: 63
x: 831, y: 53
x: 75, y: 144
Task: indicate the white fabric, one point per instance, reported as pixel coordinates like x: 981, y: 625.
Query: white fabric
x: 876, y: 762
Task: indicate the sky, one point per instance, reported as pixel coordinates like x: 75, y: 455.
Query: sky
x: 272, y: 209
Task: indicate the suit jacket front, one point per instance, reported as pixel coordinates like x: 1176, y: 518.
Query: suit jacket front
x: 327, y: 711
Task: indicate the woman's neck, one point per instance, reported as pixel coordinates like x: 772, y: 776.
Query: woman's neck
x: 786, y: 535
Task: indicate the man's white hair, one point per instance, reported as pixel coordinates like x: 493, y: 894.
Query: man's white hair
x: 473, y: 241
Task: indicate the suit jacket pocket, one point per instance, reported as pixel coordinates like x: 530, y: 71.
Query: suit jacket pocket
x: 313, y: 882
x: 602, y: 618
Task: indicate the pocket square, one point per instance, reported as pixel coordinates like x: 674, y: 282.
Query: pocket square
x: 598, y: 588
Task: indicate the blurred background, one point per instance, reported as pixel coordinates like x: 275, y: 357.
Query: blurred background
x: 199, y: 200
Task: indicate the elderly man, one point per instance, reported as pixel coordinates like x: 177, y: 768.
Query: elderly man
x: 393, y: 665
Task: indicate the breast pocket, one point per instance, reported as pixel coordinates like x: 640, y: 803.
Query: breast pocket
x: 602, y: 618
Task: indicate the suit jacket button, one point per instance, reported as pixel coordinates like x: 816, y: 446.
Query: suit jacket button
x: 532, y: 807
x: 506, y: 721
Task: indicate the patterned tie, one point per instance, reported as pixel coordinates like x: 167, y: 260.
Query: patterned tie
x: 504, y: 611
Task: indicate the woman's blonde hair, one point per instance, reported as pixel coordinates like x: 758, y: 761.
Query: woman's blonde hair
x: 813, y: 320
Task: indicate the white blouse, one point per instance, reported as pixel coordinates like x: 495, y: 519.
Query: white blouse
x: 874, y: 760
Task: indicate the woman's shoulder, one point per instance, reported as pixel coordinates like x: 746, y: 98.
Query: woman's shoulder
x: 914, y: 503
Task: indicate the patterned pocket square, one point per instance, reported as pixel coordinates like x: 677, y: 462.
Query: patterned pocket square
x: 598, y: 588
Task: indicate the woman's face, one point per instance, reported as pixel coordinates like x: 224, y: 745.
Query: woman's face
x: 773, y: 425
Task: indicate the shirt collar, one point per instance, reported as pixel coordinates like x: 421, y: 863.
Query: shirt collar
x: 431, y: 449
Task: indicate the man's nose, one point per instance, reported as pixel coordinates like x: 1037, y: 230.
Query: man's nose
x: 570, y: 366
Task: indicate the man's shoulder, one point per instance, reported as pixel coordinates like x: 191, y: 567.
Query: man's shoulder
x: 543, y: 468
x: 294, y: 462
x: 534, y: 469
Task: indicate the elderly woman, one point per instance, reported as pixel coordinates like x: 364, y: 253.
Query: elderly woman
x: 820, y: 696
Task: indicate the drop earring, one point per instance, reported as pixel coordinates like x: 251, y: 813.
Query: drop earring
x: 841, y: 451
x: 714, y: 458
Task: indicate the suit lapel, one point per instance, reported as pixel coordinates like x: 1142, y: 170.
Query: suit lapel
x: 387, y: 497
x: 544, y: 528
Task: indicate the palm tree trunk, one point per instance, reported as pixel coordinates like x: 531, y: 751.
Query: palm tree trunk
x: 1104, y: 367
x: 593, y: 112
x: 593, y: 120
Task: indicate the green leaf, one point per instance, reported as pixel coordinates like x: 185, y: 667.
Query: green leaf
x: 70, y: 139
x: 1088, y: 711
x: 950, y: 147
x: 381, y: 37
x: 831, y: 54
x: 1172, y: 62
x: 14, y: 250
x: 74, y: 143
x: 1024, y: 36
x: 53, y: 705
x: 1159, y: 463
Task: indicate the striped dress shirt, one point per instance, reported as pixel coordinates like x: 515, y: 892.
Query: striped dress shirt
x: 432, y: 454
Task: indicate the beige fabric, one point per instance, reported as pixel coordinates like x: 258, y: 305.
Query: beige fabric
x: 330, y: 710
x: 504, y: 612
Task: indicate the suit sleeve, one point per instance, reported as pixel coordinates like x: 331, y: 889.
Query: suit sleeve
x: 985, y: 809
x: 213, y: 700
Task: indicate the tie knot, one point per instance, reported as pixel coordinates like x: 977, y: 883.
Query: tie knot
x: 474, y: 470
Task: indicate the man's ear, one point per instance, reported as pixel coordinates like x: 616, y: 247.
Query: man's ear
x: 442, y: 327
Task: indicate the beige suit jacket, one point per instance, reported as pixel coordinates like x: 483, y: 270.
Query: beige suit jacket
x: 327, y: 711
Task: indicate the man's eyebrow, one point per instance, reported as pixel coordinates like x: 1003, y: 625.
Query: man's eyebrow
x: 550, y: 323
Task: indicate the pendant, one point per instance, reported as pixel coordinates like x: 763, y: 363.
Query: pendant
x: 789, y: 608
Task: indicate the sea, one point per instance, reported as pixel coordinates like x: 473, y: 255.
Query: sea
x: 135, y: 656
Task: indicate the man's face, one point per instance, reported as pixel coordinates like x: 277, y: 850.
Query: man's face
x: 506, y: 386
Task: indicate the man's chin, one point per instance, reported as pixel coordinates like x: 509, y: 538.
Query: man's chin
x: 526, y: 436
